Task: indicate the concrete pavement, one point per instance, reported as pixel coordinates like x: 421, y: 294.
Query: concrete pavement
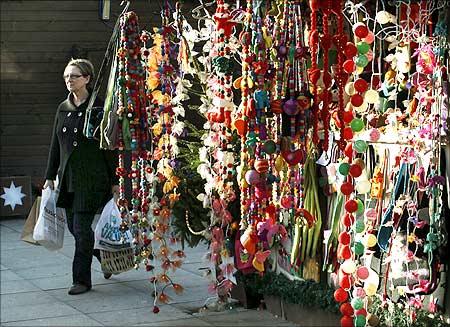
x: 34, y: 284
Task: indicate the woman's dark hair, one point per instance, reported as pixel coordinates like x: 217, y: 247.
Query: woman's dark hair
x: 86, y: 69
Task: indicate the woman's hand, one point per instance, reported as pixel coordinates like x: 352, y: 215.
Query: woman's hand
x: 49, y: 183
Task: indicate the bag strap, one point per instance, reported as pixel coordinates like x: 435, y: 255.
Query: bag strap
x: 109, y: 54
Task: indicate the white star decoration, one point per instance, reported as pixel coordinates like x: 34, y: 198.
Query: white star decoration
x: 13, y: 196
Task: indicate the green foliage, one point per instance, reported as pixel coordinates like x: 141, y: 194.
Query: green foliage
x: 307, y: 293
x: 190, y: 186
x: 398, y: 315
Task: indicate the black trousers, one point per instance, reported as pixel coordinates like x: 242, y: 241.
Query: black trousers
x: 79, y: 224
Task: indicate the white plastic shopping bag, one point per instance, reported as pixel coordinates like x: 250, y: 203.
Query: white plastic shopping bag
x: 49, y: 229
x: 108, y: 236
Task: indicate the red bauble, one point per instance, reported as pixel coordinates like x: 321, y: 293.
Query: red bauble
x: 360, y: 85
x: 346, y: 309
x: 347, y: 133
x: 340, y: 295
x: 346, y: 321
x: 349, y: 66
x: 350, y: 50
x: 344, y: 238
x: 355, y: 170
x: 361, y: 312
x: 360, y: 29
x: 357, y: 100
x: 347, y: 188
x: 351, y: 206
x: 348, y: 151
x: 347, y: 116
x: 347, y: 220
x: 346, y: 282
x: 345, y: 252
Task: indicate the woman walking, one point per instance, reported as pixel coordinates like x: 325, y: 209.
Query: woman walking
x: 86, y: 173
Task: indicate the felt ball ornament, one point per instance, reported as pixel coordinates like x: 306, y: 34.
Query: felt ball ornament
x: 361, y: 61
x: 347, y: 116
x: 357, y: 303
x: 370, y: 240
x: 374, y: 135
x: 349, y: 88
x: 357, y: 125
x: 361, y: 312
x: 348, y: 151
x: 355, y: 170
x: 360, y: 85
x: 348, y: 266
x: 344, y: 238
x: 362, y: 273
x: 345, y: 252
x: 344, y: 168
x: 345, y: 282
x: 363, y: 47
x: 360, y: 210
x: 347, y: 188
x: 346, y: 321
x: 371, y: 96
x: 347, y: 220
x: 359, y: 291
x: 373, y: 320
x: 359, y: 226
x: 252, y: 177
x: 360, y: 30
x: 358, y: 248
x: 269, y: 147
x: 360, y: 321
x: 347, y: 133
x: 356, y: 100
x: 351, y: 206
x: 346, y: 309
x: 350, y: 50
x: 340, y: 295
x: 349, y: 66
x: 360, y: 146
x: 363, y: 187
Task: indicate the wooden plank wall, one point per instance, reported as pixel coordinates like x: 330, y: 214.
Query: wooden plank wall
x: 37, y: 40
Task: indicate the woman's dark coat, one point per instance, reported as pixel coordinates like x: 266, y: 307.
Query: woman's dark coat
x: 85, y: 172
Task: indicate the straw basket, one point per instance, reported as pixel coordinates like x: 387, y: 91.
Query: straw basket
x: 118, y: 261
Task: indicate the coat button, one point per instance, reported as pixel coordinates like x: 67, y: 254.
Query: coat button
x: 68, y: 115
x: 64, y: 129
x: 75, y: 130
x: 75, y: 143
x: 79, y: 114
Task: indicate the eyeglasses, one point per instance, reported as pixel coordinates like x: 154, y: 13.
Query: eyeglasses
x: 72, y: 76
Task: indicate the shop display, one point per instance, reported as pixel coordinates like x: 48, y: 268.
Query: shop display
x: 325, y: 150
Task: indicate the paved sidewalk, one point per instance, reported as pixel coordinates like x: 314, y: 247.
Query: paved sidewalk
x: 34, y: 284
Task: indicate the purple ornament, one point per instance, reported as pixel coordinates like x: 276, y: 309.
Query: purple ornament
x: 290, y: 107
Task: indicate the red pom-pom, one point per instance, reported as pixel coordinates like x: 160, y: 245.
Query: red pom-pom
x: 340, y: 295
x: 361, y: 312
x: 351, y: 206
x: 344, y: 238
x: 360, y: 85
x: 347, y: 116
x: 347, y: 220
x: 155, y: 309
x: 355, y: 170
x: 346, y: 309
x: 345, y: 252
x: 349, y: 66
x: 347, y: 133
x: 346, y: 282
x: 357, y: 100
x: 346, y: 321
x: 347, y: 188
x: 360, y: 29
x: 350, y: 50
x: 348, y: 150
